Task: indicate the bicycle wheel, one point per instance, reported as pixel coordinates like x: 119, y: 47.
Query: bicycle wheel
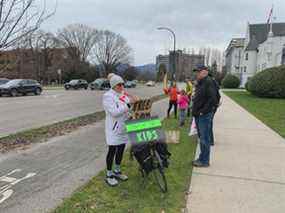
x: 158, y: 172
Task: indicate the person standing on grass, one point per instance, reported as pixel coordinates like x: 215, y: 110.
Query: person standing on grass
x: 218, y: 95
x: 189, y: 91
x: 116, y: 106
x: 110, y: 75
x: 125, y: 94
x: 204, y: 104
x: 173, y: 93
x: 183, y: 102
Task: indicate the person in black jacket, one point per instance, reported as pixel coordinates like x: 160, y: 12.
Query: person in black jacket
x: 204, y: 106
x: 218, y: 95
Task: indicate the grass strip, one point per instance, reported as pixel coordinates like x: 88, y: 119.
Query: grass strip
x: 270, y: 111
x: 130, y: 196
x: 42, y: 134
x: 53, y: 87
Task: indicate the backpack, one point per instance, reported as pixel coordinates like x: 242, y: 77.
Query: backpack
x: 163, y: 152
x: 218, y: 95
x: 143, y: 156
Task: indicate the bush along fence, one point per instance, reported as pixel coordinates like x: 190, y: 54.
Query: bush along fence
x: 268, y: 83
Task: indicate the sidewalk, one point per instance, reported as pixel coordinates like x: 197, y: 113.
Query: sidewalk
x: 247, y: 172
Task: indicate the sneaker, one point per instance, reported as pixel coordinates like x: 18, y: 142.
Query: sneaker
x: 198, y: 163
x: 111, y: 181
x: 120, y: 176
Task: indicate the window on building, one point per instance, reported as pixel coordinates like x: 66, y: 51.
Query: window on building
x: 244, y: 69
x: 246, y: 56
x: 269, y: 57
x: 283, y: 55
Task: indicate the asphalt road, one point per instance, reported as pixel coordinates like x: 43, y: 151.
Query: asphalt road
x: 20, y: 113
x: 45, y: 174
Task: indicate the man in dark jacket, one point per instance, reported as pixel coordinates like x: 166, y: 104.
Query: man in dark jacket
x: 204, y: 105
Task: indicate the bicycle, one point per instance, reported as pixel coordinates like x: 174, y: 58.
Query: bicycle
x: 145, y: 133
x: 157, y: 168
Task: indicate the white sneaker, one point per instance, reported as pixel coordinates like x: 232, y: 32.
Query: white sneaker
x: 111, y: 181
x: 120, y: 176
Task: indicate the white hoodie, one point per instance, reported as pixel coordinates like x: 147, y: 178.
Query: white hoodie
x: 116, y: 115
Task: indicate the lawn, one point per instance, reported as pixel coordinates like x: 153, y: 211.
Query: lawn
x: 130, y: 196
x: 269, y: 111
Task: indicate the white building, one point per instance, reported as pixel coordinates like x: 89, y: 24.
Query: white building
x: 263, y: 48
x: 234, y: 56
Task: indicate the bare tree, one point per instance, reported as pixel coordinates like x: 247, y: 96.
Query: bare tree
x: 41, y: 46
x: 78, y: 39
x: 19, y: 18
x: 111, y: 50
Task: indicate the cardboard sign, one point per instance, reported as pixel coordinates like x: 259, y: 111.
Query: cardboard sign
x: 141, y: 109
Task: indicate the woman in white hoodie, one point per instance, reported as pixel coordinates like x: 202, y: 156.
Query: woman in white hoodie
x: 116, y: 105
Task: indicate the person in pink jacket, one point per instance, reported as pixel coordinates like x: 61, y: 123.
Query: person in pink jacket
x: 183, y: 102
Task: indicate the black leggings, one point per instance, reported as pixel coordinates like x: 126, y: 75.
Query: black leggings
x: 172, y: 103
x: 117, y: 152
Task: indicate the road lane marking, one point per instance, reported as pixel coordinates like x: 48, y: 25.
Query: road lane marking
x: 6, y: 191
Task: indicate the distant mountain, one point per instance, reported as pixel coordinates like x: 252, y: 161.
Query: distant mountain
x: 121, y: 68
x: 141, y: 69
x: 146, y: 68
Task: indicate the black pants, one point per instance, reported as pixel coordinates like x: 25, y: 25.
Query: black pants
x: 212, y: 131
x: 117, y: 152
x: 172, y: 103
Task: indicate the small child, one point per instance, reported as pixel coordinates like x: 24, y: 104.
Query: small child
x: 183, y: 102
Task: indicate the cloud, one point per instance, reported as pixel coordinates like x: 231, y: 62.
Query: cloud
x: 196, y: 23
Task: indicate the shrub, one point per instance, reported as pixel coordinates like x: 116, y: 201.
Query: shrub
x: 269, y: 83
x: 246, y: 84
x: 230, y: 81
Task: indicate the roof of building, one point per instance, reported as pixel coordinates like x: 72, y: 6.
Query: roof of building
x: 259, y: 32
x: 235, y: 42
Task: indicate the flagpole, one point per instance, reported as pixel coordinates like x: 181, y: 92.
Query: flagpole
x: 270, y: 21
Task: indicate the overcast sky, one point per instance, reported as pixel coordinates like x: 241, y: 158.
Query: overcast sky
x: 197, y: 23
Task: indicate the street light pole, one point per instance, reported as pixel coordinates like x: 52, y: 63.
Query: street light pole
x: 173, y: 77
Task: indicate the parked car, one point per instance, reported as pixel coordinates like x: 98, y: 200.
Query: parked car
x: 76, y: 84
x: 100, y: 83
x: 20, y: 86
x: 130, y: 84
x: 150, y: 84
x: 3, y: 81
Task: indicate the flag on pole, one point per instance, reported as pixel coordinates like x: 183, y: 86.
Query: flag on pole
x: 270, y: 15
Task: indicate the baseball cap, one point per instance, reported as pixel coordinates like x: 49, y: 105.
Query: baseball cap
x: 200, y: 67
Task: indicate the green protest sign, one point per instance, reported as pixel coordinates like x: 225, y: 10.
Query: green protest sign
x: 140, y: 125
x: 145, y: 130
